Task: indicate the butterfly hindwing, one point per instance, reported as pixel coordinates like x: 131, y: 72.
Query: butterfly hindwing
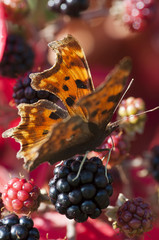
x: 67, y: 138
x: 36, y: 123
x: 101, y: 103
x: 69, y: 78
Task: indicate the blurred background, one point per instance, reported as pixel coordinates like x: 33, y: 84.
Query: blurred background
x: 107, y: 30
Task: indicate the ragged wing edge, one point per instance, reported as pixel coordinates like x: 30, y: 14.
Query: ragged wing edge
x: 55, y: 46
x: 10, y: 132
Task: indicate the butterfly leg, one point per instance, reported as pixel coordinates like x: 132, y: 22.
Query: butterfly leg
x: 101, y: 149
x: 81, y: 165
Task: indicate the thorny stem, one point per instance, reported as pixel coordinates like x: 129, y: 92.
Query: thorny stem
x: 71, y: 230
x: 124, y: 173
x: 44, y: 198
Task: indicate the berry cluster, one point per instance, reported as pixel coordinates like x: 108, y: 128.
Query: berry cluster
x: 128, y: 110
x: 18, y: 57
x: 86, y: 195
x: 138, y: 13
x: 24, y: 93
x: 134, y: 217
x: 69, y: 7
x: 20, y: 195
x: 155, y: 162
x: 13, y: 227
x: 119, y: 145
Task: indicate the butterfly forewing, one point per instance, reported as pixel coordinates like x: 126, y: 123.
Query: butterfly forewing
x: 100, y: 104
x: 69, y: 78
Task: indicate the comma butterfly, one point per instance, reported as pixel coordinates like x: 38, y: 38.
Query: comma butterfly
x: 49, y: 133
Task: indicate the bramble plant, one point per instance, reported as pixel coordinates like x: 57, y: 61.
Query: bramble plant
x: 66, y: 121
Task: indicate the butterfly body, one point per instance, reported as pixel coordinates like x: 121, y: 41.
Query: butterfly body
x: 49, y: 133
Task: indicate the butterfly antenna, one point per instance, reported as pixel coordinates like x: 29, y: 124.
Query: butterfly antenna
x: 81, y: 165
x: 123, y: 94
x: 137, y: 114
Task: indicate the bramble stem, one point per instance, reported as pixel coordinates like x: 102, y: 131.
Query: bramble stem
x: 71, y: 230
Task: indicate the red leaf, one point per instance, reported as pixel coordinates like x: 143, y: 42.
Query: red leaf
x: 3, y: 31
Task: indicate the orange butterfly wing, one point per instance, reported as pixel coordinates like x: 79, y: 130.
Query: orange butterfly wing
x: 101, y: 104
x: 69, y: 78
x: 37, y: 120
x: 67, y: 138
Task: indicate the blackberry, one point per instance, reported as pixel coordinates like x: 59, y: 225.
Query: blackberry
x: 85, y: 196
x: 134, y: 217
x: 13, y: 227
x: 18, y: 57
x: 24, y: 93
x: 154, y: 160
x: 120, y: 146
x: 68, y: 7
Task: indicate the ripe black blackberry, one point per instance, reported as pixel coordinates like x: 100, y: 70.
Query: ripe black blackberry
x: 86, y: 195
x: 24, y: 93
x: 69, y: 7
x: 155, y: 162
x: 18, y: 57
x: 13, y: 227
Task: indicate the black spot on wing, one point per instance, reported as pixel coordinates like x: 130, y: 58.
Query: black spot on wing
x: 94, y: 113
x: 104, y: 112
x: 76, y: 63
x: 67, y: 78
x: 54, y: 116
x: 45, y: 132
x: 80, y: 84
x: 70, y: 101
x: 114, y: 98
x: 65, y: 88
x: 88, y: 104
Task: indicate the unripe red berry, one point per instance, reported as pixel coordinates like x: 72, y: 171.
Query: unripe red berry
x: 134, y: 217
x: 128, y: 111
x: 20, y: 195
